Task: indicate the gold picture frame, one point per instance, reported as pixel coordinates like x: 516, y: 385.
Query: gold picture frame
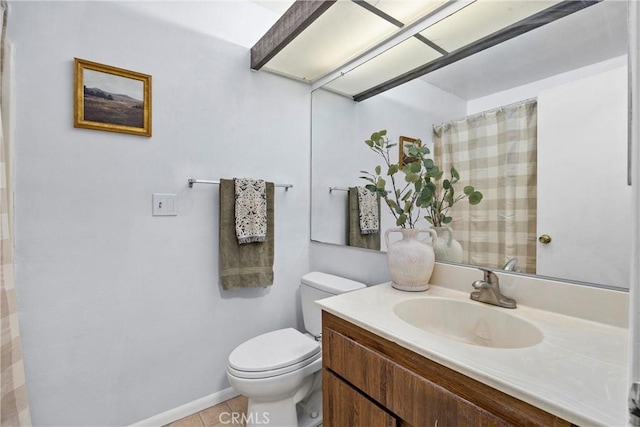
x: 405, y: 142
x: 111, y: 99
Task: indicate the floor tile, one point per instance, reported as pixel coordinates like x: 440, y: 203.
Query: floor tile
x: 190, y: 421
x: 238, y: 404
x: 219, y: 414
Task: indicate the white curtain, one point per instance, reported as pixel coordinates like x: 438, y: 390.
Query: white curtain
x: 496, y: 153
x: 14, y: 405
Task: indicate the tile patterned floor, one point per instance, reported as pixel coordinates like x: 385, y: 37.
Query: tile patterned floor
x: 216, y: 416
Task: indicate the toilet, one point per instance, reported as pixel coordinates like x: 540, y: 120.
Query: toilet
x: 280, y: 371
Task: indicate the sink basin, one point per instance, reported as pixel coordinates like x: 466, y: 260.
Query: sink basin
x: 470, y: 322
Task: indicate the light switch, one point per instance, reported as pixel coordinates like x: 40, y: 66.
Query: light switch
x: 165, y: 204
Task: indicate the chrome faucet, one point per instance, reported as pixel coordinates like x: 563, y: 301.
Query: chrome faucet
x: 511, y: 264
x: 488, y: 291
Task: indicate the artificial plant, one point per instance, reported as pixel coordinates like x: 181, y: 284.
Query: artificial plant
x: 420, y: 188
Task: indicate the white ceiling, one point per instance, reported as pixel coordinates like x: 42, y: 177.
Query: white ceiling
x: 241, y: 22
x: 592, y: 35
x: 277, y: 6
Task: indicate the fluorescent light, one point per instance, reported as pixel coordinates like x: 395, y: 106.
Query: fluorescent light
x: 480, y: 19
x: 401, y: 58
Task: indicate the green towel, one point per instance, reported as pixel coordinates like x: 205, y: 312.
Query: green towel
x: 356, y: 238
x: 249, y: 265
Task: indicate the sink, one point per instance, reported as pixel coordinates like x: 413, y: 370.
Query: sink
x: 469, y: 322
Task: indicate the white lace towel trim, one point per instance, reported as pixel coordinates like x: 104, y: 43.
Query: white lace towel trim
x: 368, y: 211
x: 251, y: 210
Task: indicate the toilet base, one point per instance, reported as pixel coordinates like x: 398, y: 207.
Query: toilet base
x: 304, y: 409
x: 307, y: 413
x: 310, y: 410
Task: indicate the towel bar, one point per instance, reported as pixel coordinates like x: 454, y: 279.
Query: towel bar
x: 331, y: 189
x: 202, y: 181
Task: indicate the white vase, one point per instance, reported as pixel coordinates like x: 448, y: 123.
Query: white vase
x: 446, y: 247
x: 410, y: 260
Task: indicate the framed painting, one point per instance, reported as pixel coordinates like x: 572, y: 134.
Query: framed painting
x: 111, y: 99
x: 405, y: 144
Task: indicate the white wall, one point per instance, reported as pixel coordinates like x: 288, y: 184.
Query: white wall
x: 122, y: 315
x: 531, y: 90
x: 334, y: 139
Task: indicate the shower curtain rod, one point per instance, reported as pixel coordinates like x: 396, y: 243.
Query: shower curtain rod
x: 480, y: 113
x: 523, y: 101
x: 202, y: 181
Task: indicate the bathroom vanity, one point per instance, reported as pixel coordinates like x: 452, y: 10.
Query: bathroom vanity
x: 371, y: 381
x: 381, y: 367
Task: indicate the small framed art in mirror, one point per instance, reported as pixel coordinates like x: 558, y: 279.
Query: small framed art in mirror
x: 405, y: 144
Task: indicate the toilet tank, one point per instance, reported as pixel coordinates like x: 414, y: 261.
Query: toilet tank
x: 315, y: 286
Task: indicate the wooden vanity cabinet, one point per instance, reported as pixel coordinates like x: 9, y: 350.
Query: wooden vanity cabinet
x: 369, y: 381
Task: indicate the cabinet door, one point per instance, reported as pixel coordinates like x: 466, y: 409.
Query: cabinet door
x: 344, y: 406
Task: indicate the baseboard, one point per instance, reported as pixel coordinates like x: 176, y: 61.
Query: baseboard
x: 187, y: 409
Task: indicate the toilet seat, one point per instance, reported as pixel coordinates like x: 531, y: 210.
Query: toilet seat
x: 252, y: 375
x: 272, y: 354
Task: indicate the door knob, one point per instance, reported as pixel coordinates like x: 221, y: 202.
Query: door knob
x: 544, y: 239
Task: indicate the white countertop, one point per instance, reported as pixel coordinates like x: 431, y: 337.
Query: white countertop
x: 578, y: 372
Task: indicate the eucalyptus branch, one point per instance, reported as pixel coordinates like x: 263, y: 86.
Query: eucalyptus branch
x: 423, y: 188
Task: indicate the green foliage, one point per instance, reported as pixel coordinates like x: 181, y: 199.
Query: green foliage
x: 446, y: 197
x: 421, y: 188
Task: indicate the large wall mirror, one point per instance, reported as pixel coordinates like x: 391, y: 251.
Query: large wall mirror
x: 573, y: 69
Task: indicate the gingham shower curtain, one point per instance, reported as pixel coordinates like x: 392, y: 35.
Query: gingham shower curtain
x: 14, y: 405
x: 496, y: 153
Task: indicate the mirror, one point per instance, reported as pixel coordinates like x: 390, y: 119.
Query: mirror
x: 576, y: 70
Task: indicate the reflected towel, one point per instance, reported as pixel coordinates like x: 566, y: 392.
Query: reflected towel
x: 247, y: 265
x: 250, y: 210
x: 368, y: 211
x: 356, y: 238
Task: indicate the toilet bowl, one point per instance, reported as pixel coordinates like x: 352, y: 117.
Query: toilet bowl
x: 279, y: 371
x: 276, y: 381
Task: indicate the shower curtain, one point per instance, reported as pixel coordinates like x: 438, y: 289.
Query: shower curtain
x: 495, y: 152
x: 14, y: 406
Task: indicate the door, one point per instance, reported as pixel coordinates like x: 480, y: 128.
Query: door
x: 580, y: 209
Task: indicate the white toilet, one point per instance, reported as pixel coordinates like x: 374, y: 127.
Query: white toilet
x: 280, y: 371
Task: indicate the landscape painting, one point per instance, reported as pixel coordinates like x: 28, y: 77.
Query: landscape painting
x: 112, y: 99
x: 405, y: 144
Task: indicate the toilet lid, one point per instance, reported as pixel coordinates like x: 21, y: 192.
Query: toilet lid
x: 315, y: 362
x: 273, y: 350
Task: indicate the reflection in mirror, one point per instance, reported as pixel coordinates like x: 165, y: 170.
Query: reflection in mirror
x: 574, y: 71
x: 405, y: 144
x: 495, y: 151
